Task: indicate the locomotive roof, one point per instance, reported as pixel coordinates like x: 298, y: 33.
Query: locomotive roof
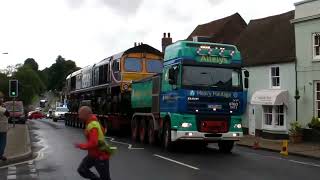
x: 137, y: 49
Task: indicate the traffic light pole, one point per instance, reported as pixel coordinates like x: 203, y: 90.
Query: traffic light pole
x: 14, y: 111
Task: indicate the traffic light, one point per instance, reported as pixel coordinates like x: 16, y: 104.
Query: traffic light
x: 13, y: 88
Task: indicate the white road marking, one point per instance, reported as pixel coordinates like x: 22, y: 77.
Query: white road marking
x: 12, y: 168
x: 123, y: 143
x: 305, y: 163
x: 16, y: 164
x: 12, y: 172
x: 285, y: 159
x: 11, y: 177
x: 177, y: 162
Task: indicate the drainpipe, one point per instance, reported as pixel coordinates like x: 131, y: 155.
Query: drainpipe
x: 297, y: 97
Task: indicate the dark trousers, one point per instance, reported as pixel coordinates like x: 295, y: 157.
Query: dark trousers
x: 102, y: 166
x: 3, y: 142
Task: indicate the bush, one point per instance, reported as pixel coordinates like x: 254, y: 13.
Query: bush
x: 315, y: 123
x: 296, y: 129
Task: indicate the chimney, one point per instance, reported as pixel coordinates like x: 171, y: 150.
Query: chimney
x: 166, y: 41
x: 135, y: 44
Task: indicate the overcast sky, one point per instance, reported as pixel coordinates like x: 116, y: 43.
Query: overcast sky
x: 87, y: 31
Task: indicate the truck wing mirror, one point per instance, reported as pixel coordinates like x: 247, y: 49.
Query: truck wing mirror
x: 171, y: 76
x: 246, y: 74
x: 246, y: 83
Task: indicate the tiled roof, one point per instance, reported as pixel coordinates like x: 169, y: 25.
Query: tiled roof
x: 268, y: 40
x: 226, y: 30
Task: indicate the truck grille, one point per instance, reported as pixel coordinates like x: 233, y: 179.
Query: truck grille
x: 213, y: 124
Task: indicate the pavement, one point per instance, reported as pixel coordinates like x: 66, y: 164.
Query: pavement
x: 56, y: 158
x: 18, y: 144
x: 306, y: 149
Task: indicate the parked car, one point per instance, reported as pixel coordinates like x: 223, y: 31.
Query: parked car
x: 36, y: 115
x: 16, y: 111
x: 59, y: 113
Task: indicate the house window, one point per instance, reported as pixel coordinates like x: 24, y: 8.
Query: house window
x: 268, y: 115
x: 317, y: 99
x: 275, y: 77
x: 274, y: 117
x: 279, y: 117
x: 316, y: 46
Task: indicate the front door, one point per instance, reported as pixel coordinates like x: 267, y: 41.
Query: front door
x: 252, y: 120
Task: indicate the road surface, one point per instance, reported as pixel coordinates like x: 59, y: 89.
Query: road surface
x: 57, y: 159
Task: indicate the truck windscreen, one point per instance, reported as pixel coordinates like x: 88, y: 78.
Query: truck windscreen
x: 211, y: 77
x: 17, y: 108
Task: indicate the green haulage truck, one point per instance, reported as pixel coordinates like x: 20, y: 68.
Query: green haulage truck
x: 199, y: 96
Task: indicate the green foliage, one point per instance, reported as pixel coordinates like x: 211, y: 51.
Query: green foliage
x: 4, y: 84
x: 33, y: 82
x: 32, y: 63
x: 30, y: 84
x: 315, y: 123
x: 58, y: 72
x: 296, y: 129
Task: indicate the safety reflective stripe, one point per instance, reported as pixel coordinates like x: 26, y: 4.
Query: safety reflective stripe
x: 96, y: 124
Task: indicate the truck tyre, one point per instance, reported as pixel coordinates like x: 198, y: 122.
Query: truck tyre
x: 55, y: 120
x: 134, y: 129
x: 151, y: 132
x: 142, y: 131
x: 225, y: 146
x: 167, y: 144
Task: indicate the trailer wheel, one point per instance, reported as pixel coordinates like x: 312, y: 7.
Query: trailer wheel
x: 151, y: 132
x: 225, y: 146
x: 134, y: 129
x: 167, y: 144
x: 142, y: 131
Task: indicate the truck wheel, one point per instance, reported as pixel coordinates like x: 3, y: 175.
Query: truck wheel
x: 167, y: 144
x: 55, y: 120
x: 225, y: 146
x: 142, y: 131
x: 151, y: 132
x: 134, y: 129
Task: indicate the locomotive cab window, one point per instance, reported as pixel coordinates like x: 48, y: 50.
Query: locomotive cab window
x: 154, y: 66
x: 133, y: 65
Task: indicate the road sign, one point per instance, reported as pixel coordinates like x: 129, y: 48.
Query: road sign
x: 13, y: 88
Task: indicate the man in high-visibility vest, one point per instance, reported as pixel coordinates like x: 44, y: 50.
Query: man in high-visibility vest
x: 98, y: 156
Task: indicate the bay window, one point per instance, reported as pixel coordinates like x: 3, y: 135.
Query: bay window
x: 274, y: 117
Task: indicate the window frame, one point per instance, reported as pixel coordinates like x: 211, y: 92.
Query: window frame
x: 314, y: 56
x: 273, y: 126
x: 316, y: 108
x: 141, y: 64
x: 271, y: 77
x: 147, y: 63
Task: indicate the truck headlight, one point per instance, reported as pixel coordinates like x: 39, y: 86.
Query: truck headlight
x: 186, y: 125
x: 239, y: 126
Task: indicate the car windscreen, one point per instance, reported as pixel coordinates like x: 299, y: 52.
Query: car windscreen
x: 17, y: 108
x: 62, y: 109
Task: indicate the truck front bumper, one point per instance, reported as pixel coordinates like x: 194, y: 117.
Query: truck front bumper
x: 195, y: 135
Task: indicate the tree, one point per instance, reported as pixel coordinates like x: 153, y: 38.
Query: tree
x: 58, y: 72
x: 30, y: 84
x: 4, y: 84
x: 32, y: 63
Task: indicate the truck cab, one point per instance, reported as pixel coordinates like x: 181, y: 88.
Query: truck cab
x: 202, y: 92
x: 199, y: 96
